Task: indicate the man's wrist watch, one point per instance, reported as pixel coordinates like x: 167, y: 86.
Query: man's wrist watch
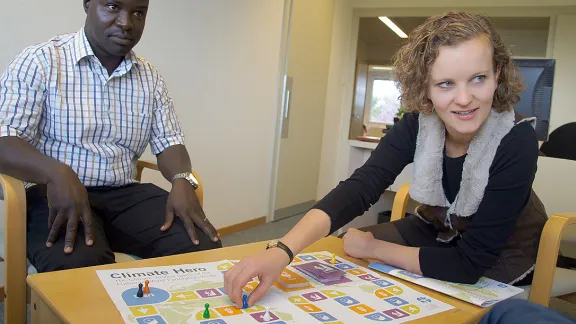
x: 189, y: 177
x: 278, y: 244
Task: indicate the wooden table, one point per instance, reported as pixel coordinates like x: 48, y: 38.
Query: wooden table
x: 78, y: 296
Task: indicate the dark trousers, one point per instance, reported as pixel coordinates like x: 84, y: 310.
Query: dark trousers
x: 125, y: 219
x: 516, y: 311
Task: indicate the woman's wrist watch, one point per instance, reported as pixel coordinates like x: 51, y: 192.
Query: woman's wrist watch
x: 280, y: 245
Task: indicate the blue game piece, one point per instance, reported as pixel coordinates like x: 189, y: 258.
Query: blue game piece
x: 245, y: 301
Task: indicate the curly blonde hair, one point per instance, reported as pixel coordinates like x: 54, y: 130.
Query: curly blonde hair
x: 413, y: 60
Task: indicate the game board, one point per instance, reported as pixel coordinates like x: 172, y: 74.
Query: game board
x: 178, y: 295
x: 365, y: 297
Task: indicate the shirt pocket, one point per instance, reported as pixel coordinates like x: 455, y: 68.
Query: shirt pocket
x: 74, y: 117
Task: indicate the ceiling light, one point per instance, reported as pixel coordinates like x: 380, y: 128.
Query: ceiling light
x: 393, y: 26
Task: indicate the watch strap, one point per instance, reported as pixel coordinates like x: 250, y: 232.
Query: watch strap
x: 286, y: 249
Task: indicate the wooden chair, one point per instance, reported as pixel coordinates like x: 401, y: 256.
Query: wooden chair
x: 15, y: 291
x: 544, y: 284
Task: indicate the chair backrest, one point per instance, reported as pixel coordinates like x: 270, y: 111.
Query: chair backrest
x: 561, y: 143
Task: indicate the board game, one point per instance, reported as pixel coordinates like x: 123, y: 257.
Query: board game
x: 194, y: 293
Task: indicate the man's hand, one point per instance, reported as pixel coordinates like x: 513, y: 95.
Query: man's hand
x: 183, y: 202
x: 358, y: 244
x: 68, y: 203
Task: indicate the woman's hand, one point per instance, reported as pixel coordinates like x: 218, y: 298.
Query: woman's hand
x: 266, y: 265
x: 358, y: 244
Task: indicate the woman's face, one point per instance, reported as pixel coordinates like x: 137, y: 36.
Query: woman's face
x: 461, y: 86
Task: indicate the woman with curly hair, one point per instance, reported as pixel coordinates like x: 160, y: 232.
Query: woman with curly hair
x: 474, y: 161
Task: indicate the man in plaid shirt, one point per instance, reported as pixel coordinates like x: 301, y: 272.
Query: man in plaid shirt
x: 76, y: 113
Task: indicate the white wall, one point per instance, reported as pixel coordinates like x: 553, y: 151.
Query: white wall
x: 335, y: 147
x: 220, y: 60
x: 309, y: 55
x: 564, y: 51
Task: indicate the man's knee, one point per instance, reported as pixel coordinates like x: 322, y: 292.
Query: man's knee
x: 54, y: 259
x: 183, y: 244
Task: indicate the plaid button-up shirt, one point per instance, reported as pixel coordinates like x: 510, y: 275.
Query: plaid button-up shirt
x: 59, y: 97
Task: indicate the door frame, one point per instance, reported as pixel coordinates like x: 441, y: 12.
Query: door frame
x: 282, y: 70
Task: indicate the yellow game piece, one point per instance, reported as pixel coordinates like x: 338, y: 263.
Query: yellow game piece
x: 333, y: 259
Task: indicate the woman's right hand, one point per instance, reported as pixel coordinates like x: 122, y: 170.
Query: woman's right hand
x: 266, y: 265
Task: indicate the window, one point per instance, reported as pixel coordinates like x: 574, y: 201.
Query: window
x: 382, y: 98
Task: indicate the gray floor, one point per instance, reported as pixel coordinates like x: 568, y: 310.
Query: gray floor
x: 268, y: 231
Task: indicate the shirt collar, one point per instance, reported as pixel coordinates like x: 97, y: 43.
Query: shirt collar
x: 83, y: 49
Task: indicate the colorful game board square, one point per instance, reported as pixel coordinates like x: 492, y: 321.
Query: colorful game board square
x: 323, y: 317
x: 309, y: 308
x: 157, y: 296
x: 213, y: 321
x: 183, y: 295
x: 381, y: 293
x: 260, y: 316
x: 307, y: 258
x: 368, y: 277
x: 362, y: 309
x: 395, y: 290
x: 378, y: 317
x: 291, y: 279
x: 356, y: 272
x: 396, y: 313
x: 412, y: 309
x: 254, y: 309
x: 344, y: 266
x: 151, y: 320
x: 228, y: 310
x: 333, y: 293
x: 410, y: 274
x: 296, y: 260
x: 321, y: 255
x: 314, y: 296
x: 225, y: 266
x: 208, y: 293
x: 213, y: 314
x: 396, y: 301
x: 297, y: 300
x: 250, y: 286
x: 330, y: 261
x: 143, y: 310
x: 424, y: 300
x: 346, y: 301
x: 222, y: 290
x: 383, y: 283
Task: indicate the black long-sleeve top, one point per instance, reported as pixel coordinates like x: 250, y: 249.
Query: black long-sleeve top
x: 507, y: 193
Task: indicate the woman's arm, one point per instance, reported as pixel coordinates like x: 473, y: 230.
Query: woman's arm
x: 349, y: 199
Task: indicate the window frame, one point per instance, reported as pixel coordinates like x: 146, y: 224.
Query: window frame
x: 375, y: 72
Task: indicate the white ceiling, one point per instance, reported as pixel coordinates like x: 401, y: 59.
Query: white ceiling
x: 373, y: 31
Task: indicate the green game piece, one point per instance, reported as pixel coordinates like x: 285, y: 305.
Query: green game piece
x: 206, y: 311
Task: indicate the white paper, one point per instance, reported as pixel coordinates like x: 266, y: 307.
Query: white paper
x: 485, y: 293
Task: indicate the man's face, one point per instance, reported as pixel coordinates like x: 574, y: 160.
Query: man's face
x: 115, y: 26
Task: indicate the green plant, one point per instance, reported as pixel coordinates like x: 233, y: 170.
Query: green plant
x: 400, y: 112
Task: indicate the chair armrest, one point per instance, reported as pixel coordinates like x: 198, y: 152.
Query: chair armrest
x: 14, y: 249
x: 548, y: 256
x: 141, y: 165
x: 400, y: 202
